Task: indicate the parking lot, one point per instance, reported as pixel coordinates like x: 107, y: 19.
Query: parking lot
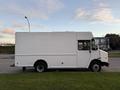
x: 8, y: 59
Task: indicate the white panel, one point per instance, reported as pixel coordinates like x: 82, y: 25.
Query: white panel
x: 54, y: 47
x: 67, y: 61
x: 30, y: 60
x: 45, y: 43
x: 83, y: 58
x: 52, y: 61
x: 84, y: 35
x: 94, y: 54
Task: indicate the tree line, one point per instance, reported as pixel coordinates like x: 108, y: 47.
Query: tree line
x: 7, y: 49
x: 114, y: 41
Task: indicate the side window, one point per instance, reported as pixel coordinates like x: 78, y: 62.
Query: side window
x: 83, y: 44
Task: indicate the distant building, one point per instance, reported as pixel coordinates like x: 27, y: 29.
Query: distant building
x: 103, y: 43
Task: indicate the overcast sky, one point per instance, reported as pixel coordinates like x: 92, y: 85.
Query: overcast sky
x: 97, y: 16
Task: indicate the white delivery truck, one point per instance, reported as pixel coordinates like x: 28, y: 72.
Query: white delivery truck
x: 58, y: 50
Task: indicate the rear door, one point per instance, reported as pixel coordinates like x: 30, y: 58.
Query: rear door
x: 84, y: 53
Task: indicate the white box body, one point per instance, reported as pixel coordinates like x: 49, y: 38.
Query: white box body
x: 57, y: 49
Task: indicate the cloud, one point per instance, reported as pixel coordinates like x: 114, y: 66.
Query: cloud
x: 18, y: 25
x: 7, y: 36
x: 82, y: 14
x: 105, y: 15
x: 99, y: 0
x: 32, y: 8
x: 8, y: 31
x: 102, y: 13
x: 21, y: 26
x: 1, y: 24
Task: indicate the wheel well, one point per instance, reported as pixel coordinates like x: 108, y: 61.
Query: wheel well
x: 95, y: 60
x: 41, y: 60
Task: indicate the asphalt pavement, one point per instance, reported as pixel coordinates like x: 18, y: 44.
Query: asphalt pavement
x: 114, y: 65
x: 8, y: 59
x: 5, y: 61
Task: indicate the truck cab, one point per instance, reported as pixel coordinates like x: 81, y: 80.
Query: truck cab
x: 91, y: 56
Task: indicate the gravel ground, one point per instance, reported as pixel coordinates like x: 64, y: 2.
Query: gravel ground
x: 8, y: 59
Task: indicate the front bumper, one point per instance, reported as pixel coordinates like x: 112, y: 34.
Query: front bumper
x: 105, y: 64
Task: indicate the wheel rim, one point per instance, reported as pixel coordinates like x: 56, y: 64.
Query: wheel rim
x: 96, y: 67
x: 40, y: 68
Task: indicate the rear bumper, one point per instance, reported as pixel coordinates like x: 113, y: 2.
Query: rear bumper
x: 105, y: 64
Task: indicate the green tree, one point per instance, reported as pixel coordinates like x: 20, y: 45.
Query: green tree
x: 114, y: 41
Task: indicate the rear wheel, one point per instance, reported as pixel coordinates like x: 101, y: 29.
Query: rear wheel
x: 40, y: 67
x: 95, y: 67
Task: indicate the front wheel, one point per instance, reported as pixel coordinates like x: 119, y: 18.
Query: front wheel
x: 40, y: 67
x: 95, y: 67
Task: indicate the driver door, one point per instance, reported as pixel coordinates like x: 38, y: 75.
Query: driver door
x: 84, y: 53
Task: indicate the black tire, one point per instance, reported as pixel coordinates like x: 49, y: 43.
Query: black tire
x: 40, y: 67
x: 95, y: 66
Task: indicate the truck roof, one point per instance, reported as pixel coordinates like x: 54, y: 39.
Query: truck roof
x: 80, y: 35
